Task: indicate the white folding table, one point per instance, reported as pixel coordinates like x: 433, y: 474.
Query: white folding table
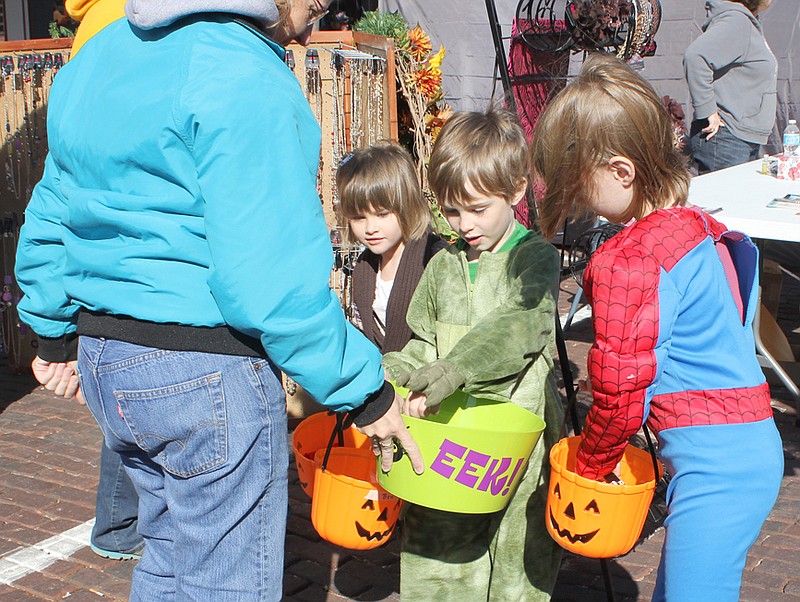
x: 738, y: 197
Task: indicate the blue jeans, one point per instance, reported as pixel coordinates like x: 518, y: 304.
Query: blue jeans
x: 723, y: 150
x: 203, y: 438
x: 117, y: 507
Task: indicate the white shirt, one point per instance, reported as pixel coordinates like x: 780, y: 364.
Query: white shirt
x: 383, y: 288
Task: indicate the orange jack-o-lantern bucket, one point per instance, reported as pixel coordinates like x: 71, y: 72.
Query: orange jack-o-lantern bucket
x: 313, y: 434
x: 594, y: 519
x: 348, y: 507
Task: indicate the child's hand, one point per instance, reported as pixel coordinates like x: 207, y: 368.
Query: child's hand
x: 613, y: 477
x: 416, y: 406
x: 436, y: 380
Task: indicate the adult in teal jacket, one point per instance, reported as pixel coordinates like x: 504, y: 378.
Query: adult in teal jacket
x: 177, y: 231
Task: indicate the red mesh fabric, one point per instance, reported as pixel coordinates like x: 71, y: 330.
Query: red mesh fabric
x: 535, y: 78
x: 716, y: 406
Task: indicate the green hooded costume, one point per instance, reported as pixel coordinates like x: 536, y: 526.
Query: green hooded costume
x: 494, y: 333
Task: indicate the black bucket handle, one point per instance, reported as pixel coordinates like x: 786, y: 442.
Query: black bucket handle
x: 336, y: 434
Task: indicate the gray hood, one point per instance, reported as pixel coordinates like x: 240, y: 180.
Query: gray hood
x: 714, y: 8
x: 149, y: 14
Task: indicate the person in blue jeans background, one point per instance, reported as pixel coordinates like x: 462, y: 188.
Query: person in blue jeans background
x: 732, y: 77
x: 115, y: 534
x: 177, y: 238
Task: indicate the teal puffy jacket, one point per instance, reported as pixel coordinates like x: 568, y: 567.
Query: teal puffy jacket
x: 183, y: 166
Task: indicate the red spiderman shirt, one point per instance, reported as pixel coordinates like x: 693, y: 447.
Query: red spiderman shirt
x: 673, y: 299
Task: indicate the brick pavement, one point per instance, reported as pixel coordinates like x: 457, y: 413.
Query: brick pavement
x: 48, y: 472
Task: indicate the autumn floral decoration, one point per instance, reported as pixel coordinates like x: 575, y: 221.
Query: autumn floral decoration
x: 597, y: 23
x: 419, y: 76
x: 679, y: 132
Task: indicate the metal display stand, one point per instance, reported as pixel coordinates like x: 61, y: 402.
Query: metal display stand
x: 27, y: 69
x: 501, y: 63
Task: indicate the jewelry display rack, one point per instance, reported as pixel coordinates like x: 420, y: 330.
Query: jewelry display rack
x: 27, y: 69
x: 350, y: 81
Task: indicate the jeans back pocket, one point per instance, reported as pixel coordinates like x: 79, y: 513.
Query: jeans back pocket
x: 182, y: 425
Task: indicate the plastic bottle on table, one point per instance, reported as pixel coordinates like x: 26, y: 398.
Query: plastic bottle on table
x: 791, y: 139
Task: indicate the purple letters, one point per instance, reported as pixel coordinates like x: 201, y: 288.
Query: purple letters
x: 448, y: 451
x: 472, y: 468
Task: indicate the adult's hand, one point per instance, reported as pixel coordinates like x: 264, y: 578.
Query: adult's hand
x: 714, y: 123
x: 59, y: 377
x: 385, y: 429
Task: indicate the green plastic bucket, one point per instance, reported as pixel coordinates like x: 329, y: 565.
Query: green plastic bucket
x: 475, y: 453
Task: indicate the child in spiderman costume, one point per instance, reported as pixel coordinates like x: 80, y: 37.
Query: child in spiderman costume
x: 673, y: 298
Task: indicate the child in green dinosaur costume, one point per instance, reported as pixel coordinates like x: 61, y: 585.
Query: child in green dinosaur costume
x: 483, y: 318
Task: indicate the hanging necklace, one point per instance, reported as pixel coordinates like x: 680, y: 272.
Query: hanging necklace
x: 17, y: 129
x: 314, y: 82
x: 356, y: 102
x: 26, y: 63
x: 8, y: 92
x: 376, y: 77
x: 314, y: 97
x: 337, y: 137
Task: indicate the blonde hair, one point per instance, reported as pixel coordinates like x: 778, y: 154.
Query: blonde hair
x: 754, y: 6
x: 284, y: 8
x: 383, y: 176
x: 607, y: 111
x: 485, y: 150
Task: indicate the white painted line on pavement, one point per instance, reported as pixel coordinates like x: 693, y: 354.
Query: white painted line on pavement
x: 583, y: 313
x: 40, y: 555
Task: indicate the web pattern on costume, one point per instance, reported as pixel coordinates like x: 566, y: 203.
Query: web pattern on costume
x: 621, y: 283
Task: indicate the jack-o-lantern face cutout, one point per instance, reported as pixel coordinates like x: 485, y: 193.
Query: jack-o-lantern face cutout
x: 305, y: 472
x: 372, y: 528
x: 577, y: 528
x: 592, y: 518
x: 304, y: 460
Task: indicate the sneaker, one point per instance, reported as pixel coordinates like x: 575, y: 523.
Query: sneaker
x: 112, y: 555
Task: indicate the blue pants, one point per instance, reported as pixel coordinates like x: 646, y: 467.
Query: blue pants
x: 203, y: 438
x: 117, y: 507
x: 725, y: 480
x: 723, y: 150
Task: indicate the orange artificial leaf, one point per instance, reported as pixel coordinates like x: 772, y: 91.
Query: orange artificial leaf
x: 419, y: 43
x: 426, y: 81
